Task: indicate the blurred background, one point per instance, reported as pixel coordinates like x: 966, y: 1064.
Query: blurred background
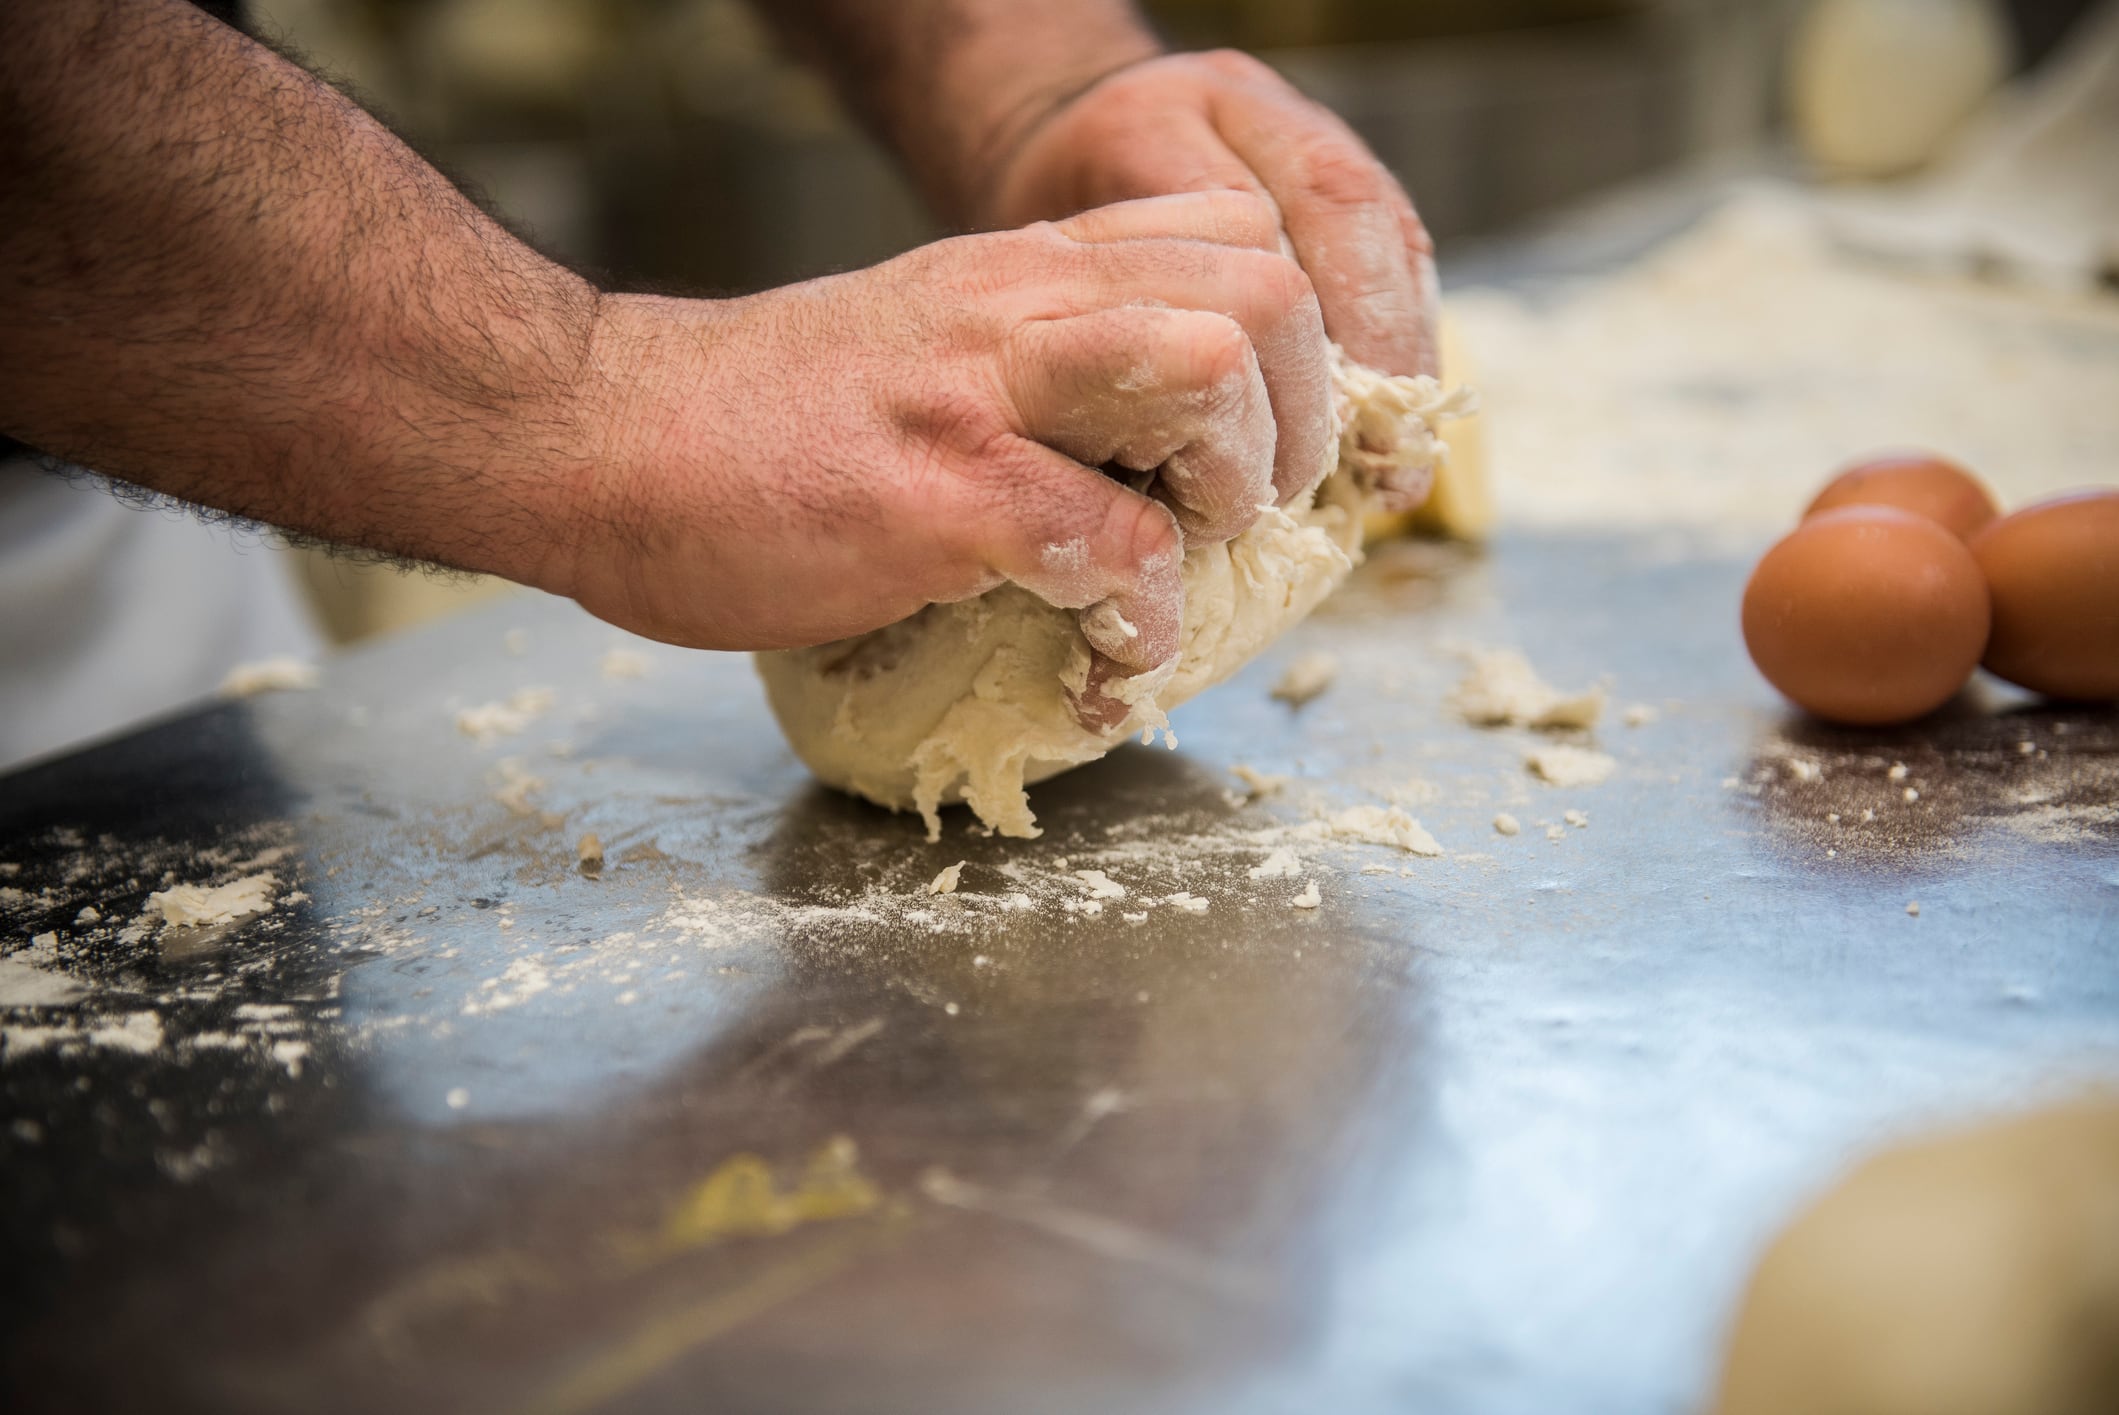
x: 671, y: 144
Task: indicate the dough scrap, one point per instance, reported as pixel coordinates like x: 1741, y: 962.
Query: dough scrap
x: 1502, y: 688
x: 1972, y: 1273
x: 969, y: 701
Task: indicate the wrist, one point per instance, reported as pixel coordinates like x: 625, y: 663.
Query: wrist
x: 996, y: 100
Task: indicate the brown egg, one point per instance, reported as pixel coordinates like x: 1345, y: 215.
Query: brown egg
x: 2054, y: 572
x: 1920, y: 482
x: 1867, y: 615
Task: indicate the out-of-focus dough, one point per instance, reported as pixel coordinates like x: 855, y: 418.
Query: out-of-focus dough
x: 969, y: 701
x: 1976, y: 1274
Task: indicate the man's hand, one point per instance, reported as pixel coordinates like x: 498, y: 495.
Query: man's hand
x: 229, y: 284
x: 828, y: 458
x: 1224, y: 121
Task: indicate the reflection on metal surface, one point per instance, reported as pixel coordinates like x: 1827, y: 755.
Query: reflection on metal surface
x: 1497, y: 1130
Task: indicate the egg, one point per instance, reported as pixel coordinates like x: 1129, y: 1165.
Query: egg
x: 1867, y: 615
x: 1919, y: 482
x: 2053, y: 569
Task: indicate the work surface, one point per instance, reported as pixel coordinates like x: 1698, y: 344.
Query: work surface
x: 754, y: 1121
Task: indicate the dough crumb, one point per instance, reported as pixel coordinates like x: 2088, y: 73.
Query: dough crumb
x: 1306, y: 678
x: 89, y: 914
x: 1101, y: 885
x: 1189, y: 902
x: 1897, y: 771
x: 589, y: 854
x: 516, y: 642
x: 516, y: 784
x: 625, y: 663
x: 1503, y: 690
x: 1570, y: 766
x: 507, y: 717
x: 1380, y: 825
x: 1914, y: 908
x: 1259, y: 784
x: 1639, y: 715
x: 1309, y: 898
x: 24, y: 986
x: 1282, y: 863
x: 1578, y: 819
x: 1507, y: 824
x: 946, y: 881
x: 284, y: 674
x: 1556, y: 832
x: 187, y: 906
x: 458, y: 1097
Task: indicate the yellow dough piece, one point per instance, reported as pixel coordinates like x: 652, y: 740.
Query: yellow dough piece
x: 1972, y: 1274
x: 1461, y: 506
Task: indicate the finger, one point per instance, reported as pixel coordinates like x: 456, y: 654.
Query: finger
x: 1218, y: 217
x: 1177, y: 393
x: 1352, y: 226
x: 1079, y: 540
x: 1266, y: 294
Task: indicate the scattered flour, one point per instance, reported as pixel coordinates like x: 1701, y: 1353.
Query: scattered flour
x: 626, y: 663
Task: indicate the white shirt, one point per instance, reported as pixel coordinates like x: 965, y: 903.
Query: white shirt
x: 111, y: 613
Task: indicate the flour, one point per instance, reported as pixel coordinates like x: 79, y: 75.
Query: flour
x: 1758, y: 359
x: 625, y: 663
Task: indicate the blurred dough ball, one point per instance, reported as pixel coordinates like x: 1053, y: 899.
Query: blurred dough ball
x: 1877, y: 87
x: 1461, y: 505
x: 1972, y: 1274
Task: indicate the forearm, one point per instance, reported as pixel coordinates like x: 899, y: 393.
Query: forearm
x: 954, y: 85
x: 223, y: 281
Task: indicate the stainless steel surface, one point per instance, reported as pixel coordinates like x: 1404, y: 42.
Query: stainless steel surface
x: 1499, y: 1131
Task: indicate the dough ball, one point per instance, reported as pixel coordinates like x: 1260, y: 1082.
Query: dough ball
x: 968, y: 701
x: 1974, y: 1274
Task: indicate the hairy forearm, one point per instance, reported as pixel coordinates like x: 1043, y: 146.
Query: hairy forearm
x: 223, y: 281
x: 954, y: 85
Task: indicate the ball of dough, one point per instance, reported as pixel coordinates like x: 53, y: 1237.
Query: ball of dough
x: 969, y: 701
x: 1974, y: 1274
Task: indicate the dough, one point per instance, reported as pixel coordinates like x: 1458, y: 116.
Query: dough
x: 1975, y: 1274
x: 968, y: 701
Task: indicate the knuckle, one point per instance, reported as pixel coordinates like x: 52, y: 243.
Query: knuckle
x: 1337, y: 174
x: 1235, y: 64
x: 1138, y: 535
x: 1213, y: 349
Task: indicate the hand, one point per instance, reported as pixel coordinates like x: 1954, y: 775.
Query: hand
x: 820, y: 460
x: 1202, y: 122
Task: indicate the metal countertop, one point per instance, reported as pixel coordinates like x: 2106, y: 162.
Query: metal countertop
x: 752, y: 1122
